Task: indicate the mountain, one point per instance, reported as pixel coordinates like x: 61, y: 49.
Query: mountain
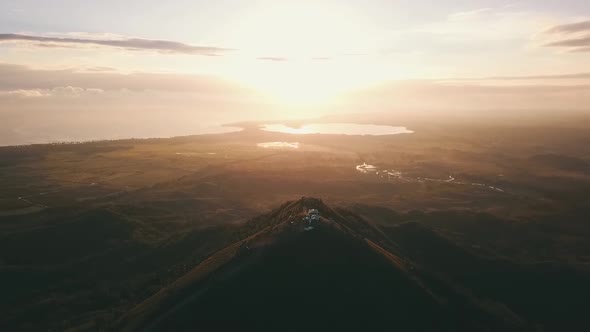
x: 341, y: 272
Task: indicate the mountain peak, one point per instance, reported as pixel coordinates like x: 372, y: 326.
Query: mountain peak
x: 304, y: 204
x: 338, y: 271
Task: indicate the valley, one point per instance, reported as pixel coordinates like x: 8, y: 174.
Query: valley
x: 90, y: 231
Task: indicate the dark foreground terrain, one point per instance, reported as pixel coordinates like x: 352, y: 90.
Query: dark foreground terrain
x: 460, y: 226
x: 345, y: 273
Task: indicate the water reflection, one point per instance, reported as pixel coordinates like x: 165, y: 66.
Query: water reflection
x: 278, y: 145
x: 364, y: 168
x: 337, y: 128
x: 398, y: 175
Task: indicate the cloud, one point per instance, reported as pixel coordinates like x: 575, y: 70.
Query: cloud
x: 468, y: 99
x: 136, y: 44
x: 16, y: 77
x: 74, y: 91
x: 60, y: 91
x: 99, y: 69
x: 571, y: 28
x: 574, y: 37
x: 21, y: 93
x: 272, y: 58
x: 581, y: 50
x: 469, y: 15
x: 487, y: 31
x: 573, y: 76
x: 573, y: 43
x: 282, y: 59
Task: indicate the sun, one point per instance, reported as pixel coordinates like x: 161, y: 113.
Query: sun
x: 300, y: 84
x: 307, y: 53
x: 306, y: 83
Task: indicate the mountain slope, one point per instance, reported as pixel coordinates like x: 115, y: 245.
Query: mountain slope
x: 282, y: 275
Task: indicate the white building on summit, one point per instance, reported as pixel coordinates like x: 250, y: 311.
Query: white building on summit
x: 314, y: 214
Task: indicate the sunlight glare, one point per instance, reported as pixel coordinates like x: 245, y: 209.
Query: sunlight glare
x: 306, y: 58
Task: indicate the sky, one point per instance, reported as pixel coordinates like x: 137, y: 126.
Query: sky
x: 261, y: 59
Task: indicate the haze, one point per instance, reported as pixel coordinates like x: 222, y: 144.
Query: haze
x: 102, y: 70
x: 270, y: 165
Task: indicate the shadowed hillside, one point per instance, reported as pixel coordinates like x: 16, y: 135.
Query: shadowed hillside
x: 290, y: 277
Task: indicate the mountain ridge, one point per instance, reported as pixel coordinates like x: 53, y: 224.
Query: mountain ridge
x: 339, y: 241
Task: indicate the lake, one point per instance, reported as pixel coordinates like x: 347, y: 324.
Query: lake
x: 278, y: 145
x: 337, y: 129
